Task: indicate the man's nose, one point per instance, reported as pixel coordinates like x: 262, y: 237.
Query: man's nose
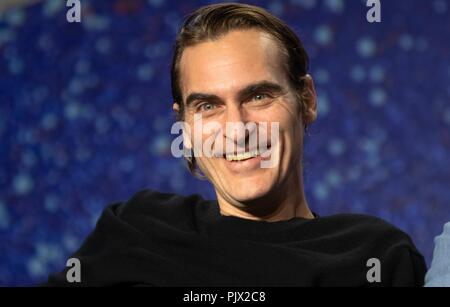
x: 234, y: 113
x: 235, y: 129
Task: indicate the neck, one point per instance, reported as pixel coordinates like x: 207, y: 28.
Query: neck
x: 285, y: 203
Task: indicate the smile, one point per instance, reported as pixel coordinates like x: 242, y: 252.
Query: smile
x: 242, y: 156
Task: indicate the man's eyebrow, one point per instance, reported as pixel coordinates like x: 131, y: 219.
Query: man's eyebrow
x: 201, y: 96
x: 262, y: 86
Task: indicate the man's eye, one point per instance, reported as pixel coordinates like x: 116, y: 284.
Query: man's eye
x: 205, y: 107
x: 260, y: 97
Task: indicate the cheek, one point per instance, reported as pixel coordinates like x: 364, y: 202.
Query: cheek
x: 289, y: 119
x: 291, y: 134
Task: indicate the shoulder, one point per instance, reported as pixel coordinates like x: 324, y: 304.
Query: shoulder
x: 148, y: 201
x: 368, y: 228
x: 439, y: 273
x: 365, y: 222
x: 150, y: 205
x: 373, y: 237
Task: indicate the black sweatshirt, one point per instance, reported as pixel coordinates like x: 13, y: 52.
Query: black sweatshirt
x: 170, y: 240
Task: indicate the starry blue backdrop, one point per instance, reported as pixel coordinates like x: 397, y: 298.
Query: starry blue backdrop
x: 85, y: 117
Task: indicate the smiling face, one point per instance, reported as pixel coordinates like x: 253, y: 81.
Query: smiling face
x: 239, y: 79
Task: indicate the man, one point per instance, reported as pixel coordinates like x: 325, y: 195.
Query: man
x: 236, y: 63
x: 439, y: 273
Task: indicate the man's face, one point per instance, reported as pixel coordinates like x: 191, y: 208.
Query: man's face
x: 221, y: 72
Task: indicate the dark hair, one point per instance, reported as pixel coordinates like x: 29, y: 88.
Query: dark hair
x: 214, y: 21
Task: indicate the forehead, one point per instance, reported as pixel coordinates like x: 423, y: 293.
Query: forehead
x: 234, y: 60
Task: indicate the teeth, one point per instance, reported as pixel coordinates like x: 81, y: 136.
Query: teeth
x: 242, y: 156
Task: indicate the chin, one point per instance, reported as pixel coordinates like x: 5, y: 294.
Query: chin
x: 246, y: 190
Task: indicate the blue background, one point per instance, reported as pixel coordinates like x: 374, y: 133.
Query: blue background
x: 85, y: 117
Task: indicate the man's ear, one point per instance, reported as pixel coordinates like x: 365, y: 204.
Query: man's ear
x: 176, y: 107
x: 309, y: 100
